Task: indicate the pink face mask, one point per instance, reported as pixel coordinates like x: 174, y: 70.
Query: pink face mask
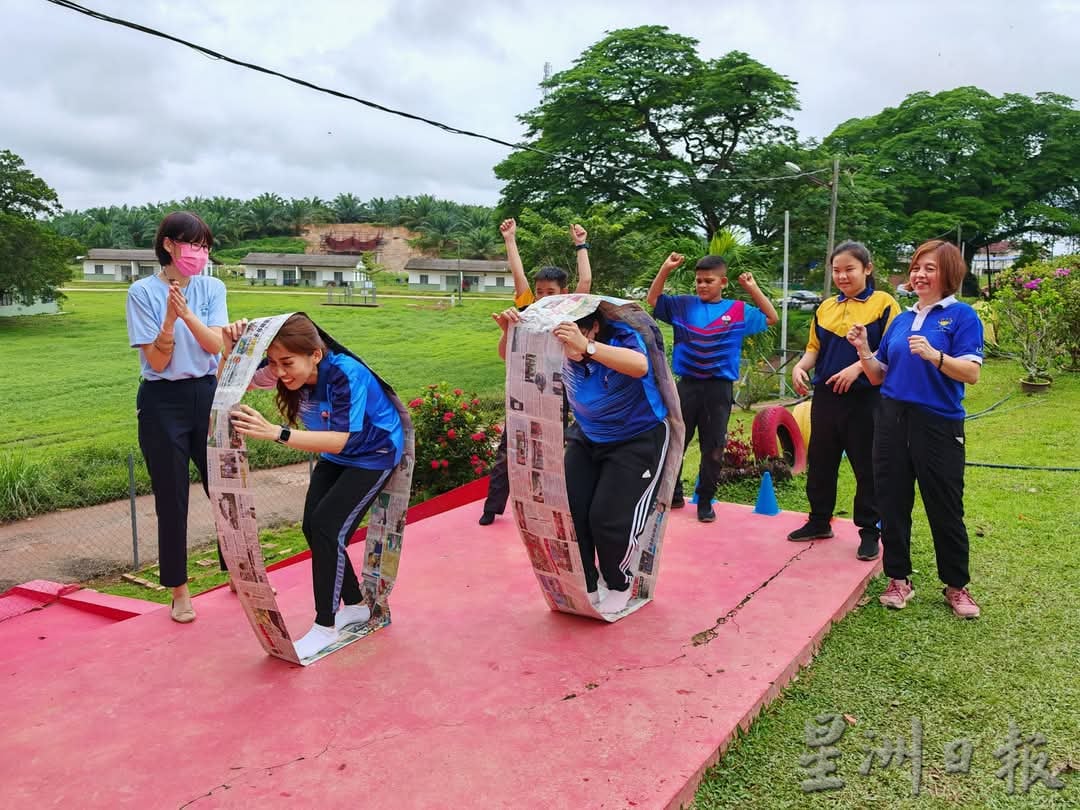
x: 192, y: 259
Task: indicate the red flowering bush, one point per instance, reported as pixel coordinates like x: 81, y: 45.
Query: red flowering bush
x: 455, y: 441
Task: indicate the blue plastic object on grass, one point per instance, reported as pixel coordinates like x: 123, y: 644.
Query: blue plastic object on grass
x: 766, y: 497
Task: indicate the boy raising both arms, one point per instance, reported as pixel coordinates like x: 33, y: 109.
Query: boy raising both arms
x: 709, y: 332
x: 548, y: 281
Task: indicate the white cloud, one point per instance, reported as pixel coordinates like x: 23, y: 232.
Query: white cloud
x: 110, y: 116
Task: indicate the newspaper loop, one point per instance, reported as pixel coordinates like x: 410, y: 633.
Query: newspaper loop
x: 233, y: 505
x: 535, y: 435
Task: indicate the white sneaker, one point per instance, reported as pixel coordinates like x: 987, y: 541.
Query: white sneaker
x: 315, y: 640
x: 352, y: 614
x: 597, y: 596
x: 614, y: 602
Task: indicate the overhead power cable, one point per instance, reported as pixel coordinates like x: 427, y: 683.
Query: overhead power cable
x: 97, y: 15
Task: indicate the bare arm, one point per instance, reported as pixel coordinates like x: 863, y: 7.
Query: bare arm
x: 761, y: 301
x: 873, y: 370
x: 250, y: 423
x: 656, y: 289
x: 955, y: 368
x: 625, y: 361
x: 508, y: 229
x: 584, y: 269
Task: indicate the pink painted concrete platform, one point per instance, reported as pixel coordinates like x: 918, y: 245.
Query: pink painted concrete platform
x: 476, y: 695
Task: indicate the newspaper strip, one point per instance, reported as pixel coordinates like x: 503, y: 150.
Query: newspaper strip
x: 535, y: 399
x: 233, y: 505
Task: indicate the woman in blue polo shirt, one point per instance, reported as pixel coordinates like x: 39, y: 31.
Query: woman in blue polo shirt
x: 353, y: 425
x: 176, y: 319
x: 924, y: 360
x: 614, y: 450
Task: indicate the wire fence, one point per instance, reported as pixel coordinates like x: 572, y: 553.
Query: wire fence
x: 75, y: 545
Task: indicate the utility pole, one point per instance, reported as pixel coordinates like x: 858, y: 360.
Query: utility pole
x: 834, y: 185
x: 784, y: 310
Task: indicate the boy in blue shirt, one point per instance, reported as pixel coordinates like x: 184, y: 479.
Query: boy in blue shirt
x: 709, y: 332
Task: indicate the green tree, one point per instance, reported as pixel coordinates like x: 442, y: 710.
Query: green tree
x: 646, y: 124
x: 22, y: 192
x: 349, y: 208
x: 33, y: 257
x: 999, y: 168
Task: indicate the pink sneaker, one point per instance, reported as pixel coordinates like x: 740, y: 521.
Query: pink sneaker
x: 898, y: 594
x: 961, y: 603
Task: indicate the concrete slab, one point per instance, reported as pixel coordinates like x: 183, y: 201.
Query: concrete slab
x: 476, y: 695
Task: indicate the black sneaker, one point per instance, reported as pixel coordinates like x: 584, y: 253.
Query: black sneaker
x: 811, y: 531
x: 705, y: 513
x: 868, y: 548
x: 677, y: 501
x: 487, y: 519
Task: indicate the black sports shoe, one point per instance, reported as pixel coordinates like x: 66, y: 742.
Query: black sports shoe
x: 705, y: 512
x: 868, y: 548
x: 487, y: 519
x: 677, y: 501
x: 811, y: 531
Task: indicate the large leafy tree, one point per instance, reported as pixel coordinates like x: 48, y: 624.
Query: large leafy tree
x: 33, y: 258
x: 999, y: 168
x: 641, y: 121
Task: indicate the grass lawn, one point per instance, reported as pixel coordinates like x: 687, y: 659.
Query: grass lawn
x: 69, y: 400
x: 1020, y: 661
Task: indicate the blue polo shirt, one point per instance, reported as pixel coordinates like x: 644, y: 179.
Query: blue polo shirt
x: 347, y: 398
x: 708, y: 336
x: 950, y: 326
x: 610, y: 406
x: 147, y: 303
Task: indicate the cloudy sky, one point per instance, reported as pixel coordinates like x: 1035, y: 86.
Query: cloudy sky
x: 107, y: 115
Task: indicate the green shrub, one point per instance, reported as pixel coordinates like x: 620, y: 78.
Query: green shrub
x: 25, y: 486
x: 455, y: 440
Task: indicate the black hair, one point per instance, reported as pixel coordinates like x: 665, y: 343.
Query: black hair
x: 856, y: 249
x: 861, y: 254
x: 595, y: 318
x: 711, y: 263
x: 556, y: 274
x: 181, y: 226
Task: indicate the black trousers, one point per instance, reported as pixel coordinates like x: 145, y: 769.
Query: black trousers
x: 174, y: 419
x: 498, y: 481
x: 706, y: 409
x: 611, y: 488
x: 337, y: 499
x: 842, y: 423
x: 911, y: 444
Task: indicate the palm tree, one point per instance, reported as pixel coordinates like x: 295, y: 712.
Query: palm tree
x: 481, y: 243
x: 266, y: 215
x: 349, y: 208
x: 385, y: 212
x: 439, y: 232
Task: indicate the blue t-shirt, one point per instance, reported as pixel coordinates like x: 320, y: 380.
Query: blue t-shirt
x: 347, y: 398
x: 147, y: 303
x: 708, y: 336
x: 950, y: 326
x: 610, y: 406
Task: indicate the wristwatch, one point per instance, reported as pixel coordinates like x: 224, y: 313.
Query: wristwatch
x: 283, y: 436
x: 590, y: 348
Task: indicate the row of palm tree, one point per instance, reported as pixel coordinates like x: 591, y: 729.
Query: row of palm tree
x: 445, y: 227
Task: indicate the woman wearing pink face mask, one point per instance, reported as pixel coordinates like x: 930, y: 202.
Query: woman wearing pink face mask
x: 176, y: 319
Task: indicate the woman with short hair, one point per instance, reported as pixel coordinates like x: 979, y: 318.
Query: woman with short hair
x: 926, y: 357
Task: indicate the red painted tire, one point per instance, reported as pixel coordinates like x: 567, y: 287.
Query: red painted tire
x: 776, y: 434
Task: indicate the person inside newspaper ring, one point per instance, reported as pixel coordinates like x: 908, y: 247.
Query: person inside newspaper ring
x: 615, y: 449
x: 353, y: 426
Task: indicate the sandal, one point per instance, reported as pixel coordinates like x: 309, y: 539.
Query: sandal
x: 183, y: 616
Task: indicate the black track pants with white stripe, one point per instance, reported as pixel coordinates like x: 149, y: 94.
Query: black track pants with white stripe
x: 338, y: 497
x: 610, y: 488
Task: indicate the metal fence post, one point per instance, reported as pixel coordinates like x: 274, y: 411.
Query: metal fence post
x: 134, y: 521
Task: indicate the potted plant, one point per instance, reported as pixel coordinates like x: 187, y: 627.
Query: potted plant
x: 1029, y: 310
